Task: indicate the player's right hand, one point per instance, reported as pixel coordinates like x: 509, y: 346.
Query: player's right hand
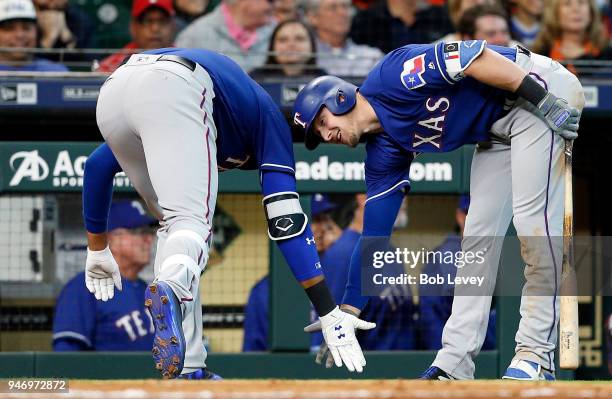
x: 338, y: 330
x: 102, y: 274
x: 562, y: 118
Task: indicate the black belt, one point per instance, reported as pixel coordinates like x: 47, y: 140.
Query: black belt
x: 191, y: 65
x: 172, y: 58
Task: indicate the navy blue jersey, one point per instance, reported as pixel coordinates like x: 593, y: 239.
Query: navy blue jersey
x: 253, y: 133
x: 436, y: 301
x: 426, y: 104
x: 82, y: 322
x: 256, y: 321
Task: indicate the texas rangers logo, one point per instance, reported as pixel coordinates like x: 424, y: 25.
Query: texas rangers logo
x: 298, y: 121
x: 412, y: 75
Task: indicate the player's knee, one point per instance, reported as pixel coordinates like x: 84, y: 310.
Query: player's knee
x: 186, y: 242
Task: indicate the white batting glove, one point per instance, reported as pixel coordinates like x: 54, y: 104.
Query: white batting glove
x: 102, y: 274
x: 338, y: 330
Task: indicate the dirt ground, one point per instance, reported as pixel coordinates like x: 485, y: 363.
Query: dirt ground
x: 325, y: 389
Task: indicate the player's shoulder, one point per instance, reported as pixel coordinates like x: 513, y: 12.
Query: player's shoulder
x: 401, y: 54
x: 260, y: 290
x: 402, y: 67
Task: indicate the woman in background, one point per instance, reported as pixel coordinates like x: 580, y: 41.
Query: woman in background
x: 292, y: 53
x: 572, y: 30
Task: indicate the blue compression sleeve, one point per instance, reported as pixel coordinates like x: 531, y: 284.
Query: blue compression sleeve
x: 301, y: 256
x: 100, y: 170
x: 379, y: 217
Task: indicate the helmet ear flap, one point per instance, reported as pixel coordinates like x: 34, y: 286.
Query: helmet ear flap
x: 340, y: 98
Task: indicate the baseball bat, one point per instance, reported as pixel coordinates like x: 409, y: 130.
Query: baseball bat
x: 568, y: 331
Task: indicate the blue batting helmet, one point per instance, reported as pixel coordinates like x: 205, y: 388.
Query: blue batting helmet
x: 334, y: 93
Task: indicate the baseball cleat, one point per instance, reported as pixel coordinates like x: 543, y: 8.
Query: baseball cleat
x: 201, y: 374
x: 435, y: 373
x: 169, y: 342
x: 525, y: 370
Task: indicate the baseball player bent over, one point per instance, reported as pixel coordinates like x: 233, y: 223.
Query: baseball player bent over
x: 171, y: 119
x: 435, y: 98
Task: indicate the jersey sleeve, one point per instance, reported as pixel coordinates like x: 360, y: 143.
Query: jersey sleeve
x: 428, y: 68
x: 387, y: 167
x: 100, y: 170
x: 455, y: 57
x: 274, y: 143
x: 75, y: 315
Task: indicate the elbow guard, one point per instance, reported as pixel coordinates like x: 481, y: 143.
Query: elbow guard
x: 284, y: 214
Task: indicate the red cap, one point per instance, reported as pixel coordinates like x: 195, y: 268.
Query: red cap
x: 140, y: 6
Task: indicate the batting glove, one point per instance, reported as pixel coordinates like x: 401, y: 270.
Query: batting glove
x: 338, y: 330
x: 562, y: 118
x: 102, y: 274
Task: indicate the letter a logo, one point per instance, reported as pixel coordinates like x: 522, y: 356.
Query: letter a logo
x: 31, y: 166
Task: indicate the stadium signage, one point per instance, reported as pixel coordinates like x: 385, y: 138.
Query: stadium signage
x: 325, y: 168
x: 59, y: 167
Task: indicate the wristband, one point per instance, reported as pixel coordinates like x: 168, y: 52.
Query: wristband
x: 531, y: 91
x: 321, y: 298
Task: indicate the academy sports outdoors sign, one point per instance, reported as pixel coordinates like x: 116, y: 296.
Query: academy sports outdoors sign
x: 58, y: 167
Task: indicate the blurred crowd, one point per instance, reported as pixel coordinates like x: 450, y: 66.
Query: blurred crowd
x: 289, y: 38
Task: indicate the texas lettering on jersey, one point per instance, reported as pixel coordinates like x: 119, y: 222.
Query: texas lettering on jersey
x: 134, y: 326
x: 431, y: 130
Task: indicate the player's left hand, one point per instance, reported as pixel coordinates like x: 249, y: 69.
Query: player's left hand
x: 562, y: 118
x: 102, y: 274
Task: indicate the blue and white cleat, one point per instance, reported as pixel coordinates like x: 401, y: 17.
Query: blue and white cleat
x: 525, y: 370
x: 169, y: 342
x: 201, y: 374
x: 435, y: 373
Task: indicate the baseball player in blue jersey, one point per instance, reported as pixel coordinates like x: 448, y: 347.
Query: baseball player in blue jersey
x: 435, y: 98
x: 172, y: 118
x: 81, y: 322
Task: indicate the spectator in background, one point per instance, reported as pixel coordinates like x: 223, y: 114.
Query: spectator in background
x: 256, y: 320
x: 485, y: 22
x: 64, y: 26
x: 292, y: 52
x: 121, y: 324
x: 390, y: 24
x: 18, y: 29
x: 572, y: 30
x: 339, y: 55
x: 285, y: 10
x: 240, y: 29
x: 456, y: 8
x: 525, y: 18
x: 436, y: 300
x: 152, y: 26
x: 188, y: 11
